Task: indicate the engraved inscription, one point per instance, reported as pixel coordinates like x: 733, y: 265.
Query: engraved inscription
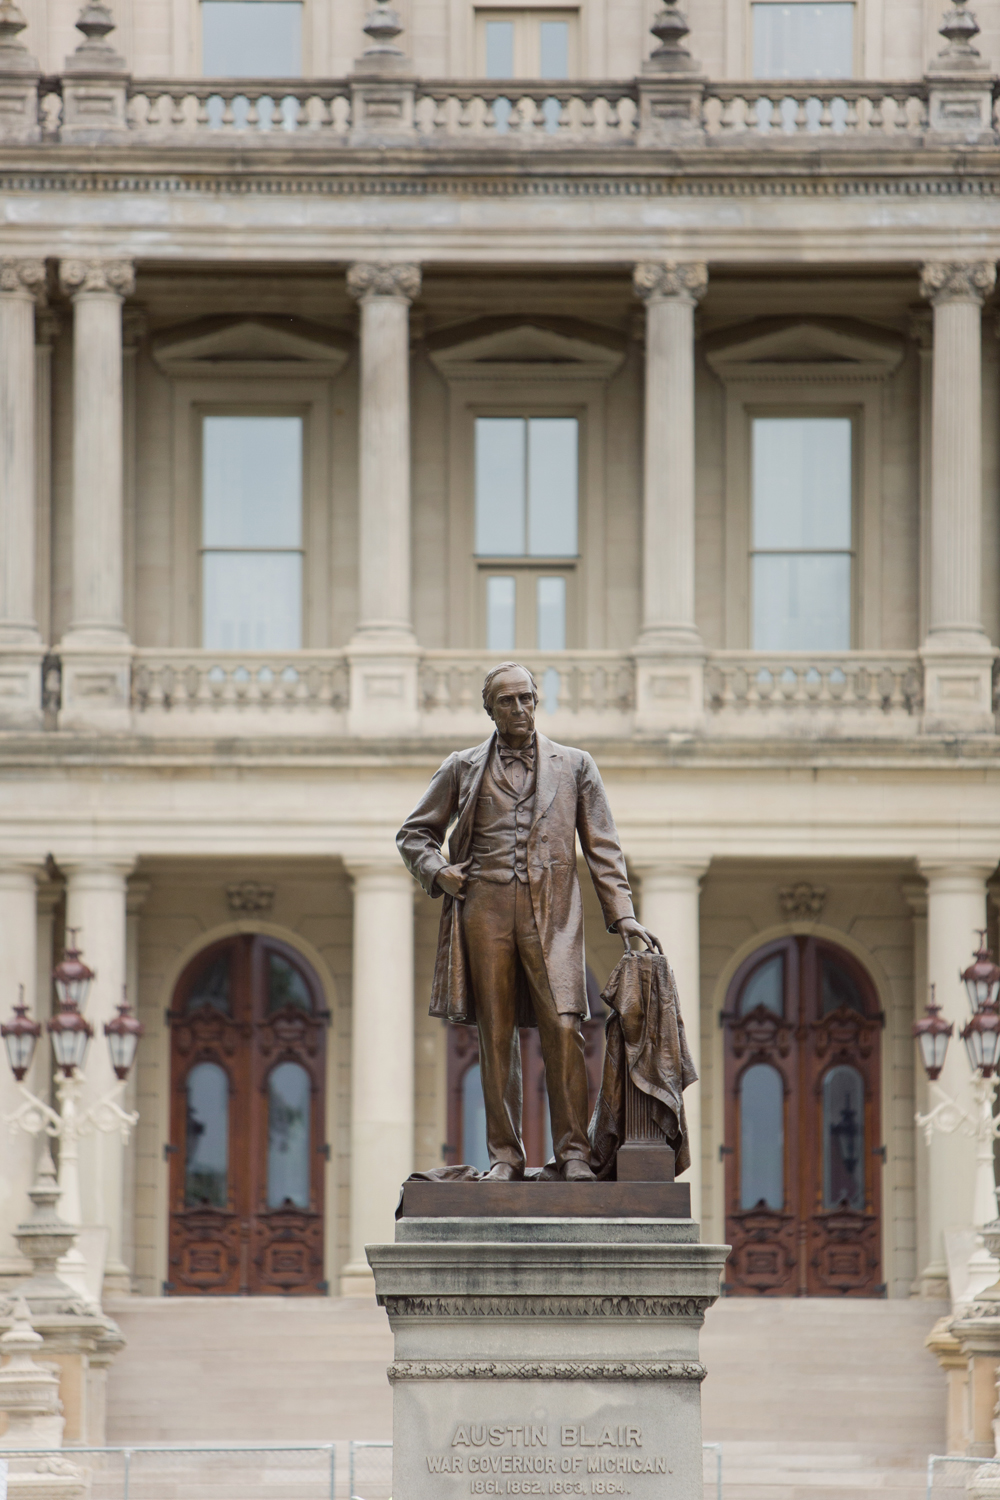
x: 542, y: 1458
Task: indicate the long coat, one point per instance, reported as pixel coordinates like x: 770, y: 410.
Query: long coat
x: 569, y: 800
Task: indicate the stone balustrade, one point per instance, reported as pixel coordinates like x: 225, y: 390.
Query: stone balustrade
x: 582, y: 693
x: 867, y: 692
x: 279, y: 113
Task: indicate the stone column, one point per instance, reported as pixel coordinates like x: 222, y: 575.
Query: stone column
x: 383, y: 651
x: 18, y: 966
x: 915, y: 893
x: 21, y: 284
x: 956, y: 908
x: 958, y: 657
x: 95, y: 649
x: 669, y: 897
x: 382, y: 1027
x: 47, y: 326
x: 95, y: 906
x: 670, y: 676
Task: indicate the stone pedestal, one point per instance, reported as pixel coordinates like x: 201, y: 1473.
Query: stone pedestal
x: 548, y: 1355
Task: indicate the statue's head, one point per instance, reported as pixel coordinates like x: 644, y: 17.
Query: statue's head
x: 509, y: 697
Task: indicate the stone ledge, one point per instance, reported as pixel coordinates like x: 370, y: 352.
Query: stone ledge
x: 546, y: 1369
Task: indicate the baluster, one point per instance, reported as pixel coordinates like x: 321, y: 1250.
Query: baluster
x: 228, y: 117
x: 851, y: 117
x: 801, y: 119
x: 201, y: 112
x: 253, y: 111
x: 876, y: 105
x: 826, y: 114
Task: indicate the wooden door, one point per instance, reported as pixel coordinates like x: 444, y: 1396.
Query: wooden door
x: 803, y: 1135
x: 247, y: 1123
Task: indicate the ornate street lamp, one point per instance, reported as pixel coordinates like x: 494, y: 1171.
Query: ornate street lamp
x: 70, y: 1034
x: 123, y: 1035
x: 981, y: 1036
x: 20, y: 1037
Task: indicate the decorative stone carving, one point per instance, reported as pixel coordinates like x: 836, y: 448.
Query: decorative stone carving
x: 670, y: 28
x: 383, y: 26
x: 546, y: 1369
x: 97, y: 23
x: 80, y: 278
x: 958, y: 28
x: 26, y: 277
x: 957, y: 281
x: 383, y: 279
x: 43, y: 1239
x: 248, y: 897
x: 802, y: 900
x: 684, y: 280
x: 546, y: 1307
x: 29, y: 1393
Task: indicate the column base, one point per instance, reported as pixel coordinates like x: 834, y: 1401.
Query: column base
x: 21, y: 685
x: 357, y: 1280
x: 669, y: 687
x: 958, y: 688
x: 96, y: 685
x: 384, y: 692
x: 563, y: 1353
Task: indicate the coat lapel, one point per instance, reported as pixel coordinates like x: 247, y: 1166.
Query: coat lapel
x: 549, y: 764
x: 472, y: 776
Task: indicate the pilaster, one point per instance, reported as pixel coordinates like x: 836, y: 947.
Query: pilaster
x: 958, y: 656
x: 670, y: 658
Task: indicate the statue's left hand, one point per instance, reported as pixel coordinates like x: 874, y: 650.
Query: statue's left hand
x: 629, y: 928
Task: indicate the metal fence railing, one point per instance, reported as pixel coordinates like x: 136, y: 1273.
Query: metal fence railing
x: 252, y: 1471
x: 948, y: 1475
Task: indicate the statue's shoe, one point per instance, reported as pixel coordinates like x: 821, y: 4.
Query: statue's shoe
x: 577, y: 1171
x: 502, y: 1171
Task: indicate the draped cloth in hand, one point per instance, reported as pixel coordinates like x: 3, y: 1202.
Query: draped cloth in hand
x: 644, y: 1038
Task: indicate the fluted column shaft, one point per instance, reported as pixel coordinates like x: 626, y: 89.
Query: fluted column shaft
x: 671, y: 292
x: 956, y: 291
x: 956, y: 908
x: 95, y: 905
x: 98, y: 289
x: 21, y: 282
x: 384, y: 293
x: 381, y: 1058
x: 669, y: 899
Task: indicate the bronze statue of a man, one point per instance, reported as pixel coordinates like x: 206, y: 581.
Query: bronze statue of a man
x: 510, y: 949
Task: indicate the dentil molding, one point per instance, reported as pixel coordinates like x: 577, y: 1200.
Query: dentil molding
x: 957, y: 280
x: 546, y: 1369
x: 82, y: 277
x: 383, y: 279
x: 529, y: 1306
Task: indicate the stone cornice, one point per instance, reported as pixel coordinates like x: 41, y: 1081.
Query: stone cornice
x: 22, y: 277
x: 546, y: 1369
x: 368, y: 279
x: 957, y: 281
x: 81, y: 278
x: 529, y: 1305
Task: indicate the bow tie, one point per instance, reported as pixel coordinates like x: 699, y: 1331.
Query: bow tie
x: 526, y: 755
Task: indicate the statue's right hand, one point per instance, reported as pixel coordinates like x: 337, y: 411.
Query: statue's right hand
x: 453, y: 877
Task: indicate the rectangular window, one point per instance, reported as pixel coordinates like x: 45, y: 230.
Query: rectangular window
x: 251, y: 39
x: 801, y: 557
x: 526, y: 486
x: 251, y: 533
x: 526, y: 43
x: 800, y: 40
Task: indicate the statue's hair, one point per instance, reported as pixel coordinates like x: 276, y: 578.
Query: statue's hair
x: 494, y: 672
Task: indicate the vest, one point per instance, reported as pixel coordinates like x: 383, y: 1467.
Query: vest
x: 500, y: 829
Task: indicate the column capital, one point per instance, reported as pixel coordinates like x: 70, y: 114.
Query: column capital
x: 669, y: 874
x: 22, y: 277
x: 373, y: 871
x: 957, y: 876
x: 367, y: 279
x: 677, y: 280
x: 943, y: 281
x: 82, y: 278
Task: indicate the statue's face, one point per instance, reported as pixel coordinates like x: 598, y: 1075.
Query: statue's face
x: 513, y: 705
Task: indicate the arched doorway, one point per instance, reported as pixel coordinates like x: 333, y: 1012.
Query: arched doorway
x: 247, y: 1122
x: 803, y: 1149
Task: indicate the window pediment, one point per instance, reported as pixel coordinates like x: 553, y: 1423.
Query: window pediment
x: 804, y: 348
x: 254, y: 345
x: 521, y: 348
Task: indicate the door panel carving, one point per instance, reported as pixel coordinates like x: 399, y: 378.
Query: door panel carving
x: 803, y: 1191
x: 247, y: 1133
